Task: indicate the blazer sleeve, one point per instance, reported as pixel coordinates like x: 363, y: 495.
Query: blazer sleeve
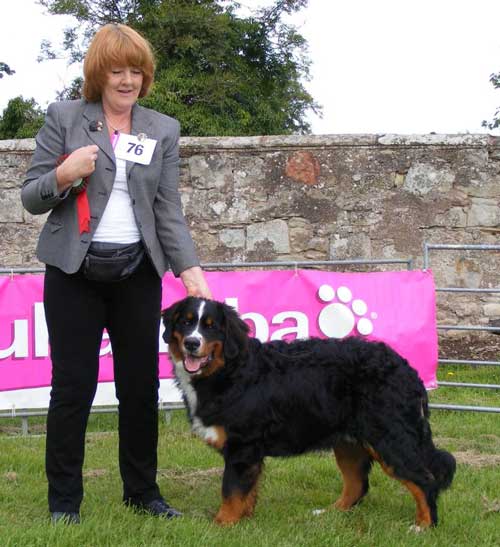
x: 39, y: 192
x: 171, y: 226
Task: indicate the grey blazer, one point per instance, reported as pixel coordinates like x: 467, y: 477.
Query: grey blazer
x: 153, y: 188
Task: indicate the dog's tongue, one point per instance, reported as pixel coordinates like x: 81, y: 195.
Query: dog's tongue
x: 193, y: 364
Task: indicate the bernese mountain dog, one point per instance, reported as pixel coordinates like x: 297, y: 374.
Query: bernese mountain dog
x: 250, y: 400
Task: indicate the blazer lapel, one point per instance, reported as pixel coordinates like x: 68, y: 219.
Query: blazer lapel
x: 141, y: 123
x: 93, y: 114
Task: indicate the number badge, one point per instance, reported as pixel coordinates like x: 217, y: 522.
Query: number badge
x: 131, y: 148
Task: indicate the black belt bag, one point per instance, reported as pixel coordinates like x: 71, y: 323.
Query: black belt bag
x: 108, y: 262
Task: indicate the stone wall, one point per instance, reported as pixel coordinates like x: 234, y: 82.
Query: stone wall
x: 321, y: 198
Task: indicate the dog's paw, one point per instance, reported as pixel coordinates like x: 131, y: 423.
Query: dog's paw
x: 317, y: 512
x: 224, y: 521
x: 227, y: 516
x: 343, y: 505
x: 416, y: 529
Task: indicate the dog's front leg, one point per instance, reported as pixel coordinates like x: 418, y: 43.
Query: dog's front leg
x: 239, y: 491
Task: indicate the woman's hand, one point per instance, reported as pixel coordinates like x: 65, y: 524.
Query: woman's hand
x: 78, y: 165
x: 195, y: 283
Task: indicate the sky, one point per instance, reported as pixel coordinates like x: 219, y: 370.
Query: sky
x: 378, y: 66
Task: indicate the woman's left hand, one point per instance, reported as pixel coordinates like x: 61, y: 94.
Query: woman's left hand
x: 195, y: 282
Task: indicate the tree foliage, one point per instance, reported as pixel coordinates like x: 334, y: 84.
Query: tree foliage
x: 74, y: 91
x: 219, y: 73
x: 495, y: 122
x: 21, y: 119
x: 5, y: 69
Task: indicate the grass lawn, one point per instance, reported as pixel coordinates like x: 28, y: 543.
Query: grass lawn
x: 190, y: 475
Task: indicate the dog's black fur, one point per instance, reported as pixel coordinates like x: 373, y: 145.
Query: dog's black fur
x: 251, y: 400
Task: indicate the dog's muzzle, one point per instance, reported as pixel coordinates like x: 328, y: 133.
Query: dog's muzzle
x: 193, y: 363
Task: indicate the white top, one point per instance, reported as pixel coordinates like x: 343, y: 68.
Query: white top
x: 118, y: 224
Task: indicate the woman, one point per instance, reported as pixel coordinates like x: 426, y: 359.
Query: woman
x: 115, y: 226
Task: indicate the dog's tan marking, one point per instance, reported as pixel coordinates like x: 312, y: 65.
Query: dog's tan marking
x: 378, y: 458
x: 373, y: 454
x: 251, y: 501
x: 217, y: 437
x: 232, y: 510
x: 174, y: 346
x: 237, y: 506
x: 351, y: 460
x: 423, y: 517
x: 217, y: 361
x: 240, y: 505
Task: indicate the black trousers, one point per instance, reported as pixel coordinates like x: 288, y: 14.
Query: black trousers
x: 77, y: 311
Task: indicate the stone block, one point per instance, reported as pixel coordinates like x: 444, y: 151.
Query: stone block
x: 233, y: 238
x: 303, y: 166
x: 483, y: 212
x: 492, y: 310
x: 351, y: 246
x: 274, y: 232
x: 423, y: 178
x: 11, y: 209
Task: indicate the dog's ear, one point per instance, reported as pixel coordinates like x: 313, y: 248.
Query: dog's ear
x: 236, y: 333
x: 169, y: 317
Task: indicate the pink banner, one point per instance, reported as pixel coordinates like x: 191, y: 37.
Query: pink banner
x: 396, y: 307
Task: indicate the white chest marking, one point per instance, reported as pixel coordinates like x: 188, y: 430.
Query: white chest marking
x: 208, y: 434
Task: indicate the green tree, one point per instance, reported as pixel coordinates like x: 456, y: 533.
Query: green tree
x: 495, y: 123
x: 5, y: 69
x: 217, y: 72
x: 74, y: 91
x: 21, y: 119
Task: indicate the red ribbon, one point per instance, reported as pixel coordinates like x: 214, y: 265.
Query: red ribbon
x: 82, y: 201
x: 83, y: 211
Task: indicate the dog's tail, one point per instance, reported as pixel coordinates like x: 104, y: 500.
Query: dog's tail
x: 441, y: 463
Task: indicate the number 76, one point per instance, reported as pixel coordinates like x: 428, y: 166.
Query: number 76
x: 138, y: 149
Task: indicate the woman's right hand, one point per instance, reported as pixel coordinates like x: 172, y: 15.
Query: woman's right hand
x: 78, y: 165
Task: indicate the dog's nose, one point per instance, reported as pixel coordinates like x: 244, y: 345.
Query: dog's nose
x: 191, y: 344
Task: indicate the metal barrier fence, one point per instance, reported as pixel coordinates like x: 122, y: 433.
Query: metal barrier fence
x: 24, y: 415
x: 442, y: 247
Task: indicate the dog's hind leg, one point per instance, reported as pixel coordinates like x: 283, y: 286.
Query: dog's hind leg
x: 239, y: 492
x: 420, y: 488
x: 426, y: 505
x: 355, y: 464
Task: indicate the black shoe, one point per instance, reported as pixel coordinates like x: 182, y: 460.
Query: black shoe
x: 65, y: 517
x: 157, y: 508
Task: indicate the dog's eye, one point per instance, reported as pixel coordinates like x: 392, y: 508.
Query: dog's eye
x: 209, y: 323
x: 187, y: 321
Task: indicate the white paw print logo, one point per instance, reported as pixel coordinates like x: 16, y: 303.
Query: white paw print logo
x: 338, y: 319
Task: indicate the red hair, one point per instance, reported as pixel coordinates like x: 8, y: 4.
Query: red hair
x: 116, y: 45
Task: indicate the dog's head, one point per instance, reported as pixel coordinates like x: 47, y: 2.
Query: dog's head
x: 204, y: 334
